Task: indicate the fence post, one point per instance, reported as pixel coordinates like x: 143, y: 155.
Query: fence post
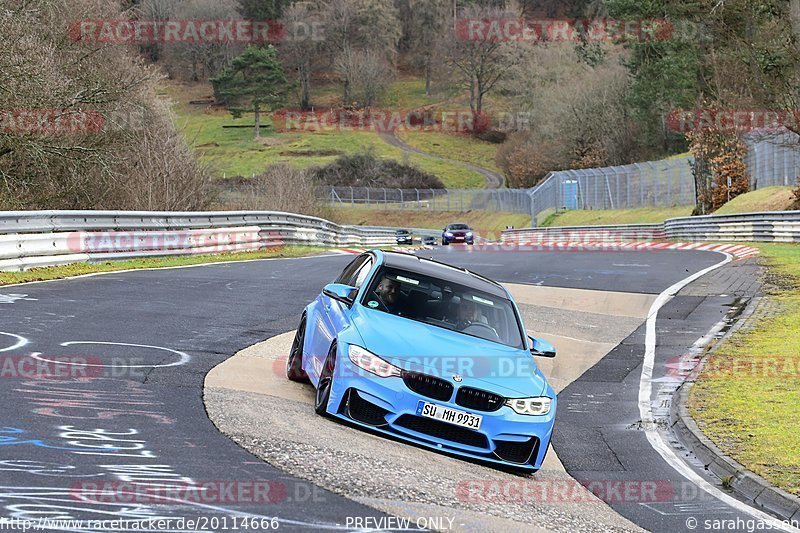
x: 654, y: 174
x: 402, y: 205
x: 418, y: 205
x: 627, y: 189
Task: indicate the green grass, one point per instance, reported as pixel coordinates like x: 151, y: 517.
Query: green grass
x: 409, y: 93
x: 235, y: 151
x: 77, y: 269
x: 766, y: 199
x: 750, y: 405
x: 650, y: 215
x: 487, y: 224
x: 460, y: 147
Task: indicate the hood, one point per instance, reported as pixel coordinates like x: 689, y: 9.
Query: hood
x: 443, y: 353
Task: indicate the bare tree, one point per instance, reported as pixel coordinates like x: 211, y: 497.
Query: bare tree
x: 365, y: 73
x: 360, y: 25
x: 92, y: 163
x: 480, y: 61
x: 200, y: 61
x: 429, y: 24
x: 301, y: 47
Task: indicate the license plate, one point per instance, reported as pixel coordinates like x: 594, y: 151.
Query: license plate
x: 451, y: 416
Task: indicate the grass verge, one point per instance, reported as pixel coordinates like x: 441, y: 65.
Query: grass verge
x: 766, y: 199
x: 487, y: 224
x: 77, y: 269
x: 748, y: 400
x: 649, y: 215
x: 460, y: 147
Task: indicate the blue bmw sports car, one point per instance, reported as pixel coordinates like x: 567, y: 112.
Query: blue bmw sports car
x: 428, y: 353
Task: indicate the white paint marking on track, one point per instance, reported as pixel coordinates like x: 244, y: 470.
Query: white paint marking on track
x: 646, y: 409
x: 21, y: 341
x: 11, y: 298
x: 184, y: 357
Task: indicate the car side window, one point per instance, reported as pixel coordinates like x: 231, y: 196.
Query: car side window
x: 361, y: 275
x: 348, y: 274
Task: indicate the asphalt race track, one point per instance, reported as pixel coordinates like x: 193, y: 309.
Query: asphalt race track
x: 137, y: 413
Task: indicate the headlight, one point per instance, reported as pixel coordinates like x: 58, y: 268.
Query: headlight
x: 469, y: 234
x: 530, y: 406
x: 448, y: 233
x: 371, y: 362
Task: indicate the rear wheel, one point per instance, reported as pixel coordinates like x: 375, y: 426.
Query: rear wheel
x: 325, y: 383
x: 294, y: 365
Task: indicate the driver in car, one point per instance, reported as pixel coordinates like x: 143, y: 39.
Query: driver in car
x: 388, y: 292
x: 468, y: 313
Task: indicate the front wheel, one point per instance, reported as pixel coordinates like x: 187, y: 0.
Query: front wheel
x: 445, y: 242
x: 325, y: 383
x: 294, y: 365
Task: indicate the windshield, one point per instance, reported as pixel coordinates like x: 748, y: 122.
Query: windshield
x: 445, y: 305
x: 458, y: 227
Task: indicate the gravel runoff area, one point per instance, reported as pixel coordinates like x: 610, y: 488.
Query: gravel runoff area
x: 274, y: 419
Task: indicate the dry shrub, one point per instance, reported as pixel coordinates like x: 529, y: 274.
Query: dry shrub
x: 720, y: 170
x: 577, y: 115
x: 135, y: 160
x: 525, y: 161
x: 280, y: 188
x: 365, y: 169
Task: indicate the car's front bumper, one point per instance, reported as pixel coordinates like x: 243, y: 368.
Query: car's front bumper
x: 458, y: 239
x: 388, y: 406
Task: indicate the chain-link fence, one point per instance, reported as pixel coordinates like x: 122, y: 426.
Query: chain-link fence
x: 772, y: 159
x: 506, y: 200
x: 655, y: 183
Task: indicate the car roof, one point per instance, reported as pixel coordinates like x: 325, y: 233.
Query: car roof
x: 439, y: 270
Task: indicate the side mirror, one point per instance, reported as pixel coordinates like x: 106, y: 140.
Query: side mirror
x: 342, y: 293
x: 540, y: 348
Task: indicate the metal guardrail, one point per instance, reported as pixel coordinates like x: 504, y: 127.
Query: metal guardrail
x: 615, y: 233
x: 777, y: 226
x: 31, y: 239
